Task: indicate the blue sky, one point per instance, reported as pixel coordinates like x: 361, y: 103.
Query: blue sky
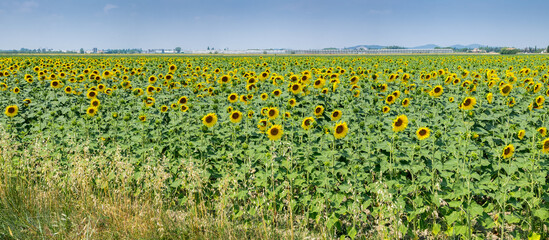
x: 244, y: 24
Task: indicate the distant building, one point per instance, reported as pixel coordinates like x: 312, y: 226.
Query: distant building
x: 94, y: 50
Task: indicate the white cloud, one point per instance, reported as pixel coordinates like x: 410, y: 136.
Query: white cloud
x: 109, y: 7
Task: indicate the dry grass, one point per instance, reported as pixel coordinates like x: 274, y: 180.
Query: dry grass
x: 77, y: 195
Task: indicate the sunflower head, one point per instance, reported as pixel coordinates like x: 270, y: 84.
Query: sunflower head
x: 277, y: 92
x: 468, y: 103
x: 340, y: 130
x: 437, y: 91
x: 250, y: 114
x: 142, y: 118
x: 209, y: 120
x: 292, y: 102
x: 385, y: 109
x: 542, y: 131
x: 545, y: 146
x: 506, y: 89
x: 264, y: 96
x: 233, y: 97
x: 307, y: 123
x: 91, y: 111
x: 318, y: 110
x: 508, y: 151
x: 183, y: 108
x: 336, y: 115
x: 95, y: 103
x: 164, y: 108
x: 400, y: 123
x: 272, y: 113
x: 275, y: 132
x: 11, y: 111
x: 406, y: 102
x: 521, y: 134
x: 423, y: 133
x: 236, y: 116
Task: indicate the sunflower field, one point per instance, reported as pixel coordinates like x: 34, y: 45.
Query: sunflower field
x: 341, y: 146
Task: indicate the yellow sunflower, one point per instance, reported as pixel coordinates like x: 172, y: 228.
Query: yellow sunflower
x: 400, y: 123
x: 233, y: 97
x: 406, y: 102
x: 423, y: 133
x: 183, y: 108
x: 183, y: 100
x: 489, y: 97
x: 336, y: 115
x: 277, y: 92
x: 386, y: 109
x: 437, y: 91
x: 340, y: 130
x: 542, y: 131
x: 545, y: 146
x: 506, y: 89
x: 91, y: 111
x: 11, y: 111
x: 508, y: 151
x: 521, y: 134
x: 307, y: 123
x: 319, y: 110
x: 149, y: 101
x: 95, y: 103
x: 250, y: 114
x: 209, y: 120
x: 236, y: 116
x: 468, y: 103
x: 262, y: 125
x: 292, y: 102
x: 264, y: 96
x: 272, y: 113
x: 275, y: 132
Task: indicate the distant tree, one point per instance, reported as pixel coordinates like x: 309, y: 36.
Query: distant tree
x: 81, y: 51
x: 547, y: 49
x: 178, y: 50
x: 509, y: 51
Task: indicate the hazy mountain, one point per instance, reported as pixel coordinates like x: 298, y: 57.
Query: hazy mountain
x: 471, y: 46
x: 427, y: 46
x: 367, y: 46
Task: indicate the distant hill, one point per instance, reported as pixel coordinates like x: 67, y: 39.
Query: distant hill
x: 471, y: 46
x: 427, y: 46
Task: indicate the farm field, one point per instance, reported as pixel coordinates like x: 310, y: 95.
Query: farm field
x: 357, y: 147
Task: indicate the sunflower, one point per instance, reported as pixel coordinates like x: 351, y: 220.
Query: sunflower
x: 142, y: 118
x: 56, y: 84
x: 307, y: 123
x: 506, y: 89
x: 340, y: 130
x: 319, y: 110
x: 542, y: 131
x: 264, y: 96
x: 91, y: 111
x: 437, y: 91
x: 386, y: 109
x: 174, y: 105
x: 183, y: 108
x: 287, y: 115
x: 91, y: 94
x: 183, y: 100
x: 27, y: 101
x: 236, y: 116
x: 244, y: 99
x: 390, y: 99
x: 423, y: 133
x: 406, y: 102
x: 521, y: 134
x: 490, y: 97
x: 277, y: 92
x: 11, y: 111
x: 172, y: 68
x: 336, y: 115
x: 295, y: 88
x: 319, y: 83
x: 149, y: 101
x: 164, y: 108
x: 468, y: 103
x: 511, y: 102
x: 68, y: 90
x: 356, y: 93
x: 250, y: 114
x: 324, y: 91
x: 209, y: 120
x: 272, y: 113
x: 95, y: 103
x: 151, y: 90
x: 262, y: 125
x: 16, y: 90
x: 275, y: 132
x: 508, y: 151
x: 540, y: 100
x: 233, y: 97
x: 152, y: 79
x: 400, y: 123
x: 292, y: 102
x: 545, y: 146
